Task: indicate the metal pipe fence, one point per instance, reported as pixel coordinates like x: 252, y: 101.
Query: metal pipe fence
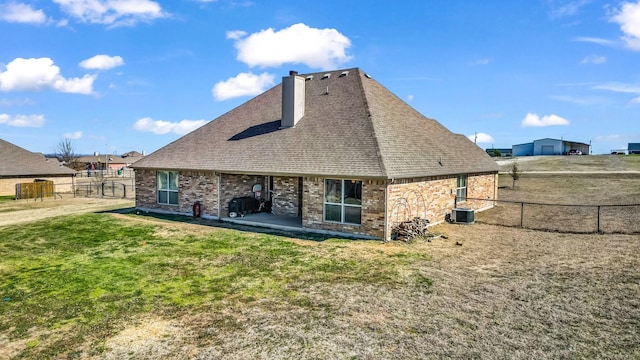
x: 570, y: 218
x: 108, y: 188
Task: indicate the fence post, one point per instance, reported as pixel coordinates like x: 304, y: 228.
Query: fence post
x: 124, y: 187
x: 598, y: 219
x: 521, y: 214
x: 102, y: 193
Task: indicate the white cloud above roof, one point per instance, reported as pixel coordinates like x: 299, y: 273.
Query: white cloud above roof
x: 112, y: 12
x: 161, y: 127
x: 102, y: 62
x: 73, y: 135
x: 21, y: 13
x: 39, y: 74
x: 481, y: 138
x: 244, y: 84
x: 594, y: 59
x: 628, y: 17
x: 533, y: 120
x: 297, y: 44
x: 35, y: 121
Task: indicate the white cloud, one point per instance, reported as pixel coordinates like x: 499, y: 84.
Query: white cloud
x: 547, y: 120
x: 628, y: 17
x: 21, y: 13
x: 22, y: 120
x: 244, y: 84
x: 568, y: 9
x: 102, y: 62
x: 161, y: 127
x: 297, y: 44
x: 410, y: 97
x: 74, y: 135
x: 481, y: 138
x: 112, y: 12
x: 621, y: 88
x: 235, y: 34
x: 594, y: 40
x: 16, y: 102
x: 37, y: 74
x: 594, y: 59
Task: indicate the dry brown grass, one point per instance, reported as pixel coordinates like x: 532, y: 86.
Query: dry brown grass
x: 565, y: 190
x: 505, y: 293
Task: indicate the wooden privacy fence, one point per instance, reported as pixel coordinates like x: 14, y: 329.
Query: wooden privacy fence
x: 570, y: 218
x: 36, y: 189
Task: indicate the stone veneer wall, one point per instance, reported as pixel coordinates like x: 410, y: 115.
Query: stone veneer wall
x: 373, y: 213
x: 193, y: 186
x: 285, y: 196
x: 434, y: 197
x: 62, y: 184
x: 233, y: 186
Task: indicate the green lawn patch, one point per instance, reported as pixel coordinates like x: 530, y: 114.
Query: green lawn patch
x: 84, y: 276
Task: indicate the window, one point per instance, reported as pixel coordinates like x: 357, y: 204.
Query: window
x: 343, y: 201
x: 461, y: 189
x: 168, y: 187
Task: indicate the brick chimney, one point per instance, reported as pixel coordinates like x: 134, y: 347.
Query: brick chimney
x: 292, y: 99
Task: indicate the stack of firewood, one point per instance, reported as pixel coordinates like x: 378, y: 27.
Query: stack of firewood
x: 408, y: 230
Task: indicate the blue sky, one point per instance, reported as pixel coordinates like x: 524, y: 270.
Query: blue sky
x: 121, y: 75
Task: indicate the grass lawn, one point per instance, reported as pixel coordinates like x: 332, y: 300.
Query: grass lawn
x: 69, y: 284
x: 109, y: 286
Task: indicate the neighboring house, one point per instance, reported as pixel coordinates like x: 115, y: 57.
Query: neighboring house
x: 109, y: 161
x: 333, y: 151
x: 549, y: 147
x: 18, y: 165
x: 633, y: 148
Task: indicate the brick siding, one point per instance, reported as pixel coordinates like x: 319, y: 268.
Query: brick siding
x: 233, y: 186
x: 372, y: 221
x: 193, y: 186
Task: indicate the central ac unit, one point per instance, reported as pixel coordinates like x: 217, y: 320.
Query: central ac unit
x: 463, y: 215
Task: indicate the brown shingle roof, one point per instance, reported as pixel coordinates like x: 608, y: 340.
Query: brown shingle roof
x: 16, y: 161
x: 352, y: 127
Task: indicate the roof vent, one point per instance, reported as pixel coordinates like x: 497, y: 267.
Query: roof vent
x: 367, y: 76
x: 310, y: 77
x: 344, y: 73
x: 326, y: 76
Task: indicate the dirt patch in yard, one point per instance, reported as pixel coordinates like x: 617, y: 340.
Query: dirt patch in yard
x: 23, y: 211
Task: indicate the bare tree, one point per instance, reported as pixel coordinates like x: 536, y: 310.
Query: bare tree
x: 65, y: 153
x: 515, y: 172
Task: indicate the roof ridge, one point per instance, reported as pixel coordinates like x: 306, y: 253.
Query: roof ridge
x: 383, y: 167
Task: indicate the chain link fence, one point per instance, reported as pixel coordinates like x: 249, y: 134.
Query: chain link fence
x: 570, y: 218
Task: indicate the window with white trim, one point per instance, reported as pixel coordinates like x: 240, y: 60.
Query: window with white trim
x: 167, y: 187
x: 461, y: 188
x: 343, y: 201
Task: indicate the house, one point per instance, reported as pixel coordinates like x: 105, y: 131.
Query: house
x: 633, y: 148
x: 333, y: 152
x: 18, y: 165
x: 99, y: 161
x: 549, y: 146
